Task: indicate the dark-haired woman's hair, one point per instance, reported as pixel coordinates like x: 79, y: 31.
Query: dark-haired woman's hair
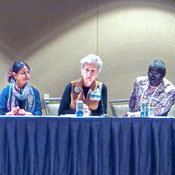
x: 15, y: 68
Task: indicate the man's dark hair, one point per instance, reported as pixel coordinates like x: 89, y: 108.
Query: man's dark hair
x: 158, y: 65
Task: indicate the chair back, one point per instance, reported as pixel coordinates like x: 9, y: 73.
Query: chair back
x: 119, y: 107
x: 51, y: 105
x: 172, y: 111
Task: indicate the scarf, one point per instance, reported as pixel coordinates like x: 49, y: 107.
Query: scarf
x: 24, y: 94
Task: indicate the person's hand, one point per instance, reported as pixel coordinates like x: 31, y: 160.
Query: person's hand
x: 21, y: 112
x: 18, y: 111
x: 9, y: 113
x: 86, y: 110
x: 14, y: 111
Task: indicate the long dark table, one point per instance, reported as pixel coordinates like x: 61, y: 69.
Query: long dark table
x: 87, y: 146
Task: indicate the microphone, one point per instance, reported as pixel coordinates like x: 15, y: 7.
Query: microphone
x: 103, y: 111
x: 102, y: 104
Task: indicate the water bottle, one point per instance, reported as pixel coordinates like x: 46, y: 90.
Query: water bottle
x: 79, y: 108
x: 144, y: 109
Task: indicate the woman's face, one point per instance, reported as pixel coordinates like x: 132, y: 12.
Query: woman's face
x: 22, y: 76
x: 89, y: 73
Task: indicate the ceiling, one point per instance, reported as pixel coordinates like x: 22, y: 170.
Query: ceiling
x: 25, y: 22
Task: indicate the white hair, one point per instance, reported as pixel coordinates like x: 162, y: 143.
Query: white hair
x: 92, y: 58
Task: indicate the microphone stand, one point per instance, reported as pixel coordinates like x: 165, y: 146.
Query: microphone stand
x: 102, y: 105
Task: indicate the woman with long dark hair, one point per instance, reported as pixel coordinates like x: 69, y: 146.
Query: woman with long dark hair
x: 19, y: 98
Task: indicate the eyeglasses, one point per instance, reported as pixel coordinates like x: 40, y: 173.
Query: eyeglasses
x: 157, y: 75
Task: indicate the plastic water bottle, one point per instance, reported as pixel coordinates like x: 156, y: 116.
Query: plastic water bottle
x: 79, y: 108
x: 144, y: 109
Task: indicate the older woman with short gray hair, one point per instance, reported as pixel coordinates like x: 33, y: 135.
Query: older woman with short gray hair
x: 93, y: 93
x: 91, y: 58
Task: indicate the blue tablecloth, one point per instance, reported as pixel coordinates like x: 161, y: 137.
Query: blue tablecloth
x: 84, y: 146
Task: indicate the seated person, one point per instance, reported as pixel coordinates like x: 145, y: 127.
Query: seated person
x: 19, y: 98
x: 85, y: 88
x: 155, y: 89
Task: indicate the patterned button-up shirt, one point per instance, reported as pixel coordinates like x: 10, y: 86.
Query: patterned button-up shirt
x: 161, y: 97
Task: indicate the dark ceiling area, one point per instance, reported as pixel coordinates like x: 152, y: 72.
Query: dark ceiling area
x: 24, y: 22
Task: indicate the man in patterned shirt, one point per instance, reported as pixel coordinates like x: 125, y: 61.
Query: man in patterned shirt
x: 155, y: 89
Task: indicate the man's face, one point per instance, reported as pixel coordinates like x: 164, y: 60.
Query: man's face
x: 155, y: 77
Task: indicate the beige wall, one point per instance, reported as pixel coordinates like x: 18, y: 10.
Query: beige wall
x: 5, y: 62
x: 127, y: 36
